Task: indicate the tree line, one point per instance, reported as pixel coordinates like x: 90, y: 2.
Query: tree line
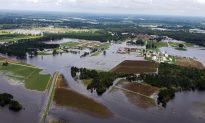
x: 100, y: 80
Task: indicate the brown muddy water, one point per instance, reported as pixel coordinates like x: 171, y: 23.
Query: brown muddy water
x: 186, y: 107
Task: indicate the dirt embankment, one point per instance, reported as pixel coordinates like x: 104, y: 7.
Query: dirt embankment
x: 61, y: 83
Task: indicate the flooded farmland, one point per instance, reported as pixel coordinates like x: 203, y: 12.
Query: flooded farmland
x: 32, y: 102
x: 192, y: 52
x: 126, y: 107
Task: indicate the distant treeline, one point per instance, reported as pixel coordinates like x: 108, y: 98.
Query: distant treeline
x: 24, y: 46
x: 182, y: 35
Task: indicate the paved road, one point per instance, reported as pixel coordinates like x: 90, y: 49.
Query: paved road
x: 49, y: 98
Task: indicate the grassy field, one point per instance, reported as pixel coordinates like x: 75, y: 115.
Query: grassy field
x: 129, y: 66
x: 66, y: 97
x: 8, y: 36
x: 29, y: 75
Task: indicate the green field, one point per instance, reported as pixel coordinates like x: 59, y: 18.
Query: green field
x: 29, y: 75
x: 12, y: 37
x: 8, y: 36
x: 70, y: 44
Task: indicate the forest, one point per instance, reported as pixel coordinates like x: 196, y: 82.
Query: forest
x: 22, y: 47
x: 100, y: 80
x: 172, y: 78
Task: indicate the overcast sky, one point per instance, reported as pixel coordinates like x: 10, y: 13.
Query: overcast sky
x: 153, y: 7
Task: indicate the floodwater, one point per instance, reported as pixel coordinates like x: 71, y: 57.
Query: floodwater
x: 196, y: 53
x: 31, y: 101
x: 64, y: 40
x: 186, y: 107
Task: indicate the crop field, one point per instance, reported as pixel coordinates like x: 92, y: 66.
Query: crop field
x: 9, y: 36
x: 129, y: 66
x: 139, y: 94
x: 189, y: 62
x: 144, y: 89
x: 64, y: 96
x: 140, y: 101
x: 29, y: 75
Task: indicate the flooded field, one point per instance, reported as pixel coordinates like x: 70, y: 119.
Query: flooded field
x: 195, y: 53
x: 126, y: 107
x: 65, y: 96
x: 32, y: 102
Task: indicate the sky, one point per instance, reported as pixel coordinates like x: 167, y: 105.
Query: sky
x: 150, y: 7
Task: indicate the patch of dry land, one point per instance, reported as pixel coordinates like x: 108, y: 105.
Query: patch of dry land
x: 139, y: 94
x: 189, y: 62
x: 131, y: 66
x: 66, y: 97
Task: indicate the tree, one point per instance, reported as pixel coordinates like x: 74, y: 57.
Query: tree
x: 181, y: 45
x: 15, y: 106
x: 5, y: 63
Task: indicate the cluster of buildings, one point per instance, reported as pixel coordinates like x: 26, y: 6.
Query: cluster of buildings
x: 157, y: 56
x: 127, y: 50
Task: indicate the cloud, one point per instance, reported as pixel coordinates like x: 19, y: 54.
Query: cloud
x: 201, y: 1
x: 168, y: 7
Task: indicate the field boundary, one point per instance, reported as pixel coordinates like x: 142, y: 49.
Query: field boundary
x: 133, y: 92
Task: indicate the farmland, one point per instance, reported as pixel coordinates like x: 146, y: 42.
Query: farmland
x: 140, y: 88
x: 64, y: 96
x: 136, y: 67
x: 28, y: 75
x: 189, y: 62
x: 110, y: 69
x: 9, y: 36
